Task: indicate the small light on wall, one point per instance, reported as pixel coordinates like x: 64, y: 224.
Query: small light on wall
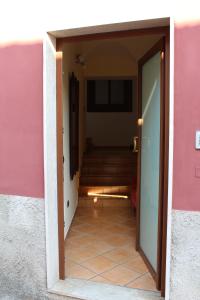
x: 107, y: 195
x: 140, y: 122
x: 95, y: 199
x: 80, y: 60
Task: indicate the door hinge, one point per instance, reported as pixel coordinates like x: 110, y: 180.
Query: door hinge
x: 162, y: 55
x: 63, y: 159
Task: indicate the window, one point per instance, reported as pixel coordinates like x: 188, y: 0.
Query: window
x: 110, y: 95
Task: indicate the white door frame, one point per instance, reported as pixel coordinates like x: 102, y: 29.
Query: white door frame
x: 50, y: 143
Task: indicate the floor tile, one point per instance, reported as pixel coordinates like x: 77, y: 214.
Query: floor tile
x: 101, y: 231
x: 144, y: 282
x: 117, y: 240
x: 73, y: 233
x: 83, y: 241
x: 83, y: 228
x: 77, y: 271
x: 130, y: 223
x: 131, y: 250
x: 99, y: 264
x: 136, y: 264
x: 100, y: 246
x: 83, y: 254
x: 69, y: 264
x: 99, y: 278
x: 120, y: 255
x: 68, y: 245
x: 117, y: 228
x: 120, y: 275
x: 76, y: 221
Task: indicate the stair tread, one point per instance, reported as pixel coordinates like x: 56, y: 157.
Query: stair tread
x: 108, y: 169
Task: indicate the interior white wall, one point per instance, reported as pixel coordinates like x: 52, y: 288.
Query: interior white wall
x: 111, y: 128
x: 114, y: 58
x: 50, y: 160
x: 50, y: 150
x: 70, y: 51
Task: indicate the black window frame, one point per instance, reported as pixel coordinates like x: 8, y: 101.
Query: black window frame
x: 127, y: 106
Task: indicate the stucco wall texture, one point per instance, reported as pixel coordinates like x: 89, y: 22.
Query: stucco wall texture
x: 22, y: 251
x: 185, y: 258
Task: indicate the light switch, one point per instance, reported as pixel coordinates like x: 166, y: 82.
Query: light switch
x: 197, y: 143
x: 197, y: 172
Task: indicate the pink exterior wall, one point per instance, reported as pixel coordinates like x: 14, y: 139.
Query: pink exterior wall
x: 186, y: 181
x: 21, y: 131
x: 21, y: 125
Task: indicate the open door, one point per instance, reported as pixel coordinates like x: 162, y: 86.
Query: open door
x: 151, y: 158
x: 60, y: 195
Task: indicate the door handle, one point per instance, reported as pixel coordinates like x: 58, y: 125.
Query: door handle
x: 135, y: 144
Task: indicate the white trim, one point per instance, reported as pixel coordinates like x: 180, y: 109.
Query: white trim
x: 170, y: 164
x: 50, y: 161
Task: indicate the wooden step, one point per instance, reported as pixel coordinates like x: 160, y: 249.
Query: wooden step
x: 112, y: 190
x: 108, y: 159
x: 105, y: 180
x: 103, y: 202
x: 114, y: 167
x: 110, y: 170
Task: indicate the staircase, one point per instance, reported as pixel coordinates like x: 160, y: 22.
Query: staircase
x: 112, y: 169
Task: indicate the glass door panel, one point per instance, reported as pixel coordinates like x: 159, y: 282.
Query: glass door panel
x: 150, y: 159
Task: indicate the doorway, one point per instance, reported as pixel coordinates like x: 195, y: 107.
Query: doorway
x: 58, y: 69
x: 156, y: 251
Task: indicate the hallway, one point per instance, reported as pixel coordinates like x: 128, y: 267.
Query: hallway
x: 100, y: 247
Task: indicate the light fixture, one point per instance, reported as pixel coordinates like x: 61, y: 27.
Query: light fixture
x: 95, y: 199
x: 80, y: 60
x: 140, y: 122
x: 107, y: 195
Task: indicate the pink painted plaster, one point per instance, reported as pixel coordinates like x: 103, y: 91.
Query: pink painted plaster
x: 186, y: 185
x: 21, y: 128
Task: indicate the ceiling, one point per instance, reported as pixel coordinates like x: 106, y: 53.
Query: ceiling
x: 135, y: 46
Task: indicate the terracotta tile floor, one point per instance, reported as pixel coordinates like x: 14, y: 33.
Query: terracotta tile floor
x: 100, y: 246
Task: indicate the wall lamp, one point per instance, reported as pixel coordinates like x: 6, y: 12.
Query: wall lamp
x: 107, y: 195
x: 80, y: 60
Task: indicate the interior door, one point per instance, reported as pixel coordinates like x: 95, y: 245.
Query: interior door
x: 150, y: 163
